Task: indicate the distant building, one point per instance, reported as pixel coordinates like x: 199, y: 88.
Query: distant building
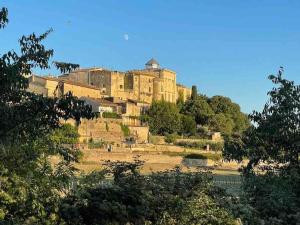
x: 102, y: 105
x: 146, y: 85
x: 126, y: 93
x: 54, y: 87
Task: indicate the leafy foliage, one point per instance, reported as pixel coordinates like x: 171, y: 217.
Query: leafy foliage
x: 125, y: 129
x: 271, y: 178
x: 170, y: 197
x: 218, y: 113
x: 199, y: 108
x: 171, y: 138
x: 201, y: 144
x: 111, y: 115
x: 66, y: 134
x: 3, y: 17
x: 221, y: 123
x: 164, y: 118
x: 228, y: 114
x: 194, y: 92
x: 25, y: 141
x: 188, y: 125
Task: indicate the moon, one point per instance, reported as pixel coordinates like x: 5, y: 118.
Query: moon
x: 126, y: 37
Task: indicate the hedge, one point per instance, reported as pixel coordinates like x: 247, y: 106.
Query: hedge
x: 112, y: 115
x: 201, y: 144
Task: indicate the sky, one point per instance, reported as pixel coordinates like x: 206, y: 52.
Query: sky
x: 223, y: 47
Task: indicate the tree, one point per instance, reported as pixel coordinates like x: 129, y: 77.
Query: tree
x: 164, y: 118
x: 180, y: 100
x: 30, y: 186
x: 194, y: 92
x: 199, y: 109
x: 275, y: 136
x: 188, y: 125
x: 231, y: 111
x: 272, y: 176
x: 66, y: 134
x: 221, y: 123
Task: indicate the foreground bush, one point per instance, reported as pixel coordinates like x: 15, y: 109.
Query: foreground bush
x: 170, y: 197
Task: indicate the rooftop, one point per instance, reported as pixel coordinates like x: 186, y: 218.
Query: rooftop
x: 151, y: 62
x: 66, y: 81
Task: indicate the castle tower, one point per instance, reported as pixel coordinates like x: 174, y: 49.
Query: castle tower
x: 152, y: 64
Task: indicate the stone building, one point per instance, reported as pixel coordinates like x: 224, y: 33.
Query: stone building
x: 146, y: 85
x: 183, y: 92
x: 101, y: 105
x: 54, y: 87
x: 126, y: 93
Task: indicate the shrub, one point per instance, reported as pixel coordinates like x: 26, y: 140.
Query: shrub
x: 154, y: 139
x: 96, y: 144
x: 201, y: 144
x: 170, y: 138
x: 66, y: 134
x: 170, y: 197
x: 112, y: 115
x: 125, y: 130
x: 188, y: 125
x: 203, y: 132
x: 195, y: 156
x: 211, y: 156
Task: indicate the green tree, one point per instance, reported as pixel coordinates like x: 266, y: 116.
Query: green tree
x: 275, y: 134
x: 31, y: 187
x: 194, y: 92
x: 199, y: 109
x: 164, y: 118
x: 180, y: 100
x: 188, y: 125
x: 221, y: 123
x: 231, y: 111
x: 272, y: 176
x: 66, y: 134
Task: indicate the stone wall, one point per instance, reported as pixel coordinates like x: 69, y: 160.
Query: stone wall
x: 168, y: 85
x: 100, y: 129
x: 143, y: 85
x: 108, y: 130
x: 141, y: 133
x: 46, y: 86
x: 82, y: 91
x: 184, y: 91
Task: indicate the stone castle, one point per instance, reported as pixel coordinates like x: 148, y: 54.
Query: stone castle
x: 125, y: 94
x: 145, y: 85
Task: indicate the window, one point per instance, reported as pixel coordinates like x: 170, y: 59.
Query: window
x: 103, y: 85
x: 149, y: 80
x: 149, y: 89
x: 161, y: 89
x: 121, y: 86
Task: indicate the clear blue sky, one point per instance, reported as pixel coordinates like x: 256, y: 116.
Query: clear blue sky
x: 224, y: 47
